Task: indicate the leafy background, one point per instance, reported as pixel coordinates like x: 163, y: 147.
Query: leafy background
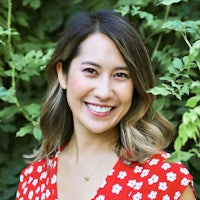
x: 28, y: 31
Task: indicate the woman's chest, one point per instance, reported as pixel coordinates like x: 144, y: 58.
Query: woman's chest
x: 77, y: 182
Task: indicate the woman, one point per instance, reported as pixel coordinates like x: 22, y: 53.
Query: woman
x: 101, y: 139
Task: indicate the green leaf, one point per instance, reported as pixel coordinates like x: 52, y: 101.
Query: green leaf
x: 3, y: 91
x: 169, y: 2
x: 33, y: 3
x: 37, y: 133
x: 24, y: 77
x: 142, y: 14
x: 8, y: 95
x: 192, y: 102
x: 183, y: 135
x: 178, y: 144
x: 185, y: 156
x: 123, y: 10
x: 177, y: 63
x: 192, y: 27
x: 131, y: 2
x: 189, y: 117
x: 174, y: 25
x: 195, y: 52
x: 189, y: 128
x: 8, y: 112
x: 159, y: 104
x: 185, y: 89
x: 21, y: 18
x: 33, y: 110
x: 172, y: 70
x: 180, y: 156
x: 25, y: 130
x: 159, y: 91
x: 8, y: 72
x: 7, y: 32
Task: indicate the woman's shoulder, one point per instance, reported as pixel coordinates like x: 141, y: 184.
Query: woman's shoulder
x: 162, y: 164
x: 158, y: 173
x: 40, y: 167
x: 37, y: 177
x: 159, y: 165
x: 157, y: 178
x: 158, y: 168
x: 35, y: 168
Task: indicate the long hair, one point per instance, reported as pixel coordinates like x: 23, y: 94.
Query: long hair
x: 142, y: 132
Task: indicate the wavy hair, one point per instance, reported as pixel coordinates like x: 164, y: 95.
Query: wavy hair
x: 142, y: 132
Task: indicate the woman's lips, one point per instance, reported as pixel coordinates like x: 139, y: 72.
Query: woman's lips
x: 99, y: 109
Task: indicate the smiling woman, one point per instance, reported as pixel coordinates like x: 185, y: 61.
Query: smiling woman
x: 100, y: 135
x: 103, y: 96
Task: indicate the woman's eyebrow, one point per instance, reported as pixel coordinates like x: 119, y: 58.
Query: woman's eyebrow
x: 122, y: 68
x: 90, y: 63
x: 99, y: 66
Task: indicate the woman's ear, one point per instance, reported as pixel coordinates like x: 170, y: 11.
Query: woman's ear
x: 62, y: 77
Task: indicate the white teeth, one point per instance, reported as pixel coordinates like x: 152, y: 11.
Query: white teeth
x: 99, y: 109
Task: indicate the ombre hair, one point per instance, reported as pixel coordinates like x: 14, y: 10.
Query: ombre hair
x: 142, y: 132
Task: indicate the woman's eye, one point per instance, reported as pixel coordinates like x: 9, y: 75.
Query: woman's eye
x: 90, y: 70
x: 121, y: 75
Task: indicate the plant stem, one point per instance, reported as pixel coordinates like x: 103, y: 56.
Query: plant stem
x: 13, y: 65
x: 184, y: 35
x: 161, y: 35
x: 186, y: 40
x: 11, y: 50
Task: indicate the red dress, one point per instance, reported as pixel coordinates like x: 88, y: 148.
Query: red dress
x: 154, y: 179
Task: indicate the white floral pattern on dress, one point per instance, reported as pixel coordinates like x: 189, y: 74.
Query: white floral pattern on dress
x: 162, y: 186
x: 137, y: 196
x: 171, y: 176
x: 116, y: 188
x: 155, y: 179
x: 122, y: 175
x: 131, y: 183
x: 138, y: 169
x: 144, y: 173
x: 152, y: 194
x: 165, y: 166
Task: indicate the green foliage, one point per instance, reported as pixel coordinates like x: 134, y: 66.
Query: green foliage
x: 28, y: 29
x: 171, y: 29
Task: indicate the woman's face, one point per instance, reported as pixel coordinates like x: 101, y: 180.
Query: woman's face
x: 99, y: 87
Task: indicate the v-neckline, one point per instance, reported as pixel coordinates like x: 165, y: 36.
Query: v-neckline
x: 115, y: 166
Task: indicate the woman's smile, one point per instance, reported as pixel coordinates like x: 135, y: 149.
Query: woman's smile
x: 99, y: 110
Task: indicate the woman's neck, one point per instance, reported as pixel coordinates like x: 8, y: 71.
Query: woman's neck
x: 81, y: 147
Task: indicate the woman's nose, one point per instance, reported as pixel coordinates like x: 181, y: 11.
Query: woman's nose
x: 103, y: 89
